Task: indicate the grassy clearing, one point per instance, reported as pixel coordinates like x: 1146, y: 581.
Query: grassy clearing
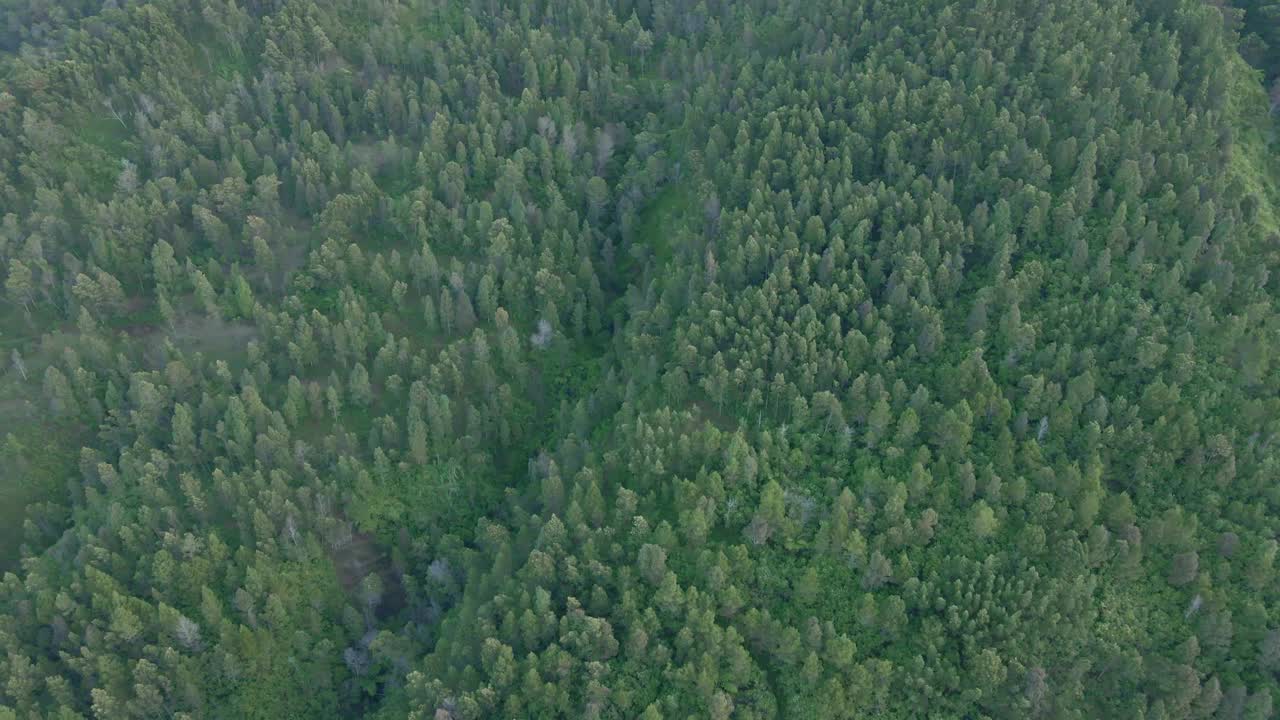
x: 107, y: 134
x: 216, y: 339
x: 1253, y: 162
x: 667, y: 217
x: 228, y: 64
x: 437, y: 26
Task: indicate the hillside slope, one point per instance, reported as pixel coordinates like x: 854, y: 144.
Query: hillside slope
x: 651, y: 359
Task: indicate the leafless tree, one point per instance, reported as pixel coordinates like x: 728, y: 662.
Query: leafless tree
x: 111, y: 109
x: 604, y: 148
x: 188, y: 633
x: 19, y: 365
x: 542, y: 338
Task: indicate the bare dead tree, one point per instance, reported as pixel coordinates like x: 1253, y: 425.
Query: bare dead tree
x: 19, y: 365
x: 111, y: 109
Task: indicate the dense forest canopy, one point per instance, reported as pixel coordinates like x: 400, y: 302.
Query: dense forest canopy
x: 639, y: 359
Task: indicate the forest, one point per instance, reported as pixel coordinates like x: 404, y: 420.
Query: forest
x: 639, y: 359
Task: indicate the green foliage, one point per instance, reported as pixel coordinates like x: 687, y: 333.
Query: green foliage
x: 428, y: 501
x: 638, y: 359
